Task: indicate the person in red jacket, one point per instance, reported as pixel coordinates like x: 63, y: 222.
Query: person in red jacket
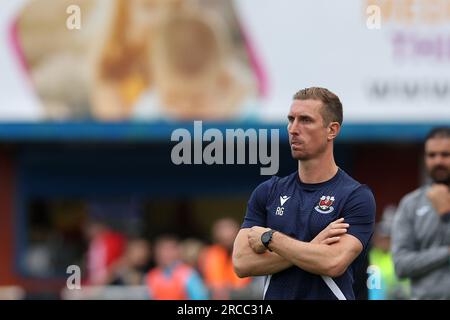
x: 106, y: 247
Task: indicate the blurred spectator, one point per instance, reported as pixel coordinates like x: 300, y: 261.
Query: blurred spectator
x: 38, y: 258
x: 134, y: 264
x: 217, y: 265
x: 105, y: 249
x: 191, y: 252
x: 421, y: 231
x: 391, y: 288
x: 172, y: 279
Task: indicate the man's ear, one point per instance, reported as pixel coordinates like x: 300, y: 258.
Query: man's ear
x: 333, y: 130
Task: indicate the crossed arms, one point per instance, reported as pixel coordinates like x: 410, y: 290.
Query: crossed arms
x: 329, y: 253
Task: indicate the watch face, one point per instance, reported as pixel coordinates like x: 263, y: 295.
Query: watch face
x: 266, y: 237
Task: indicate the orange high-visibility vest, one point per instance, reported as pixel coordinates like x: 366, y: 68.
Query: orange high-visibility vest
x: 217, y: 268
x: 169, y: 287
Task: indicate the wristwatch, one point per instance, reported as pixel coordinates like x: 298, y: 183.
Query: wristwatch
x: 266, y: 237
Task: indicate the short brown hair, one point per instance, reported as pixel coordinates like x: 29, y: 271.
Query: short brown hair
x: 438, y: 132
x: 332, y: 106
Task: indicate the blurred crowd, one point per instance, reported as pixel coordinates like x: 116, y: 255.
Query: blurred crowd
x: 168, y: 267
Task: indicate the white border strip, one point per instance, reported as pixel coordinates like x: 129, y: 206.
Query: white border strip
x: 266, y: 285
x: 334, y: 288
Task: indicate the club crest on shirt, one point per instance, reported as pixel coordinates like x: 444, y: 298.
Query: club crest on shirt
x: 325, y: 204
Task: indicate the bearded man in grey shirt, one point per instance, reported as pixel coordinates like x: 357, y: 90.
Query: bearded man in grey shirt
x: 421, y: 230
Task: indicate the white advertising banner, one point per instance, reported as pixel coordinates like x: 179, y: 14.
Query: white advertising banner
x: 394, y: 69
x: 144, y: 60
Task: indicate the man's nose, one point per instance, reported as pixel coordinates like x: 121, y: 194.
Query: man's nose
x: 293, y: 128
x: 439, y: 158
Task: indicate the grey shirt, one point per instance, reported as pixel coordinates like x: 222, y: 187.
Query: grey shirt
x: 420, y: 247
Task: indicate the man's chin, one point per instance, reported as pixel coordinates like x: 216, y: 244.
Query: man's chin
x: 299, y: 156
x: 441, y: 180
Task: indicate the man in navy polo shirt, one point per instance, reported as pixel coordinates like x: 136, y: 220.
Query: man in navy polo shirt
x: 286, y: 216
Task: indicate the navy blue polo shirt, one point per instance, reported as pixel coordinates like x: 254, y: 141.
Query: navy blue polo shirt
x: 301, y: 211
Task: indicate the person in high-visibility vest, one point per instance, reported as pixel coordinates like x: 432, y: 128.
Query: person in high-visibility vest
x: 216, y: 261
x: 387, y: 286
x: 172, y: 279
